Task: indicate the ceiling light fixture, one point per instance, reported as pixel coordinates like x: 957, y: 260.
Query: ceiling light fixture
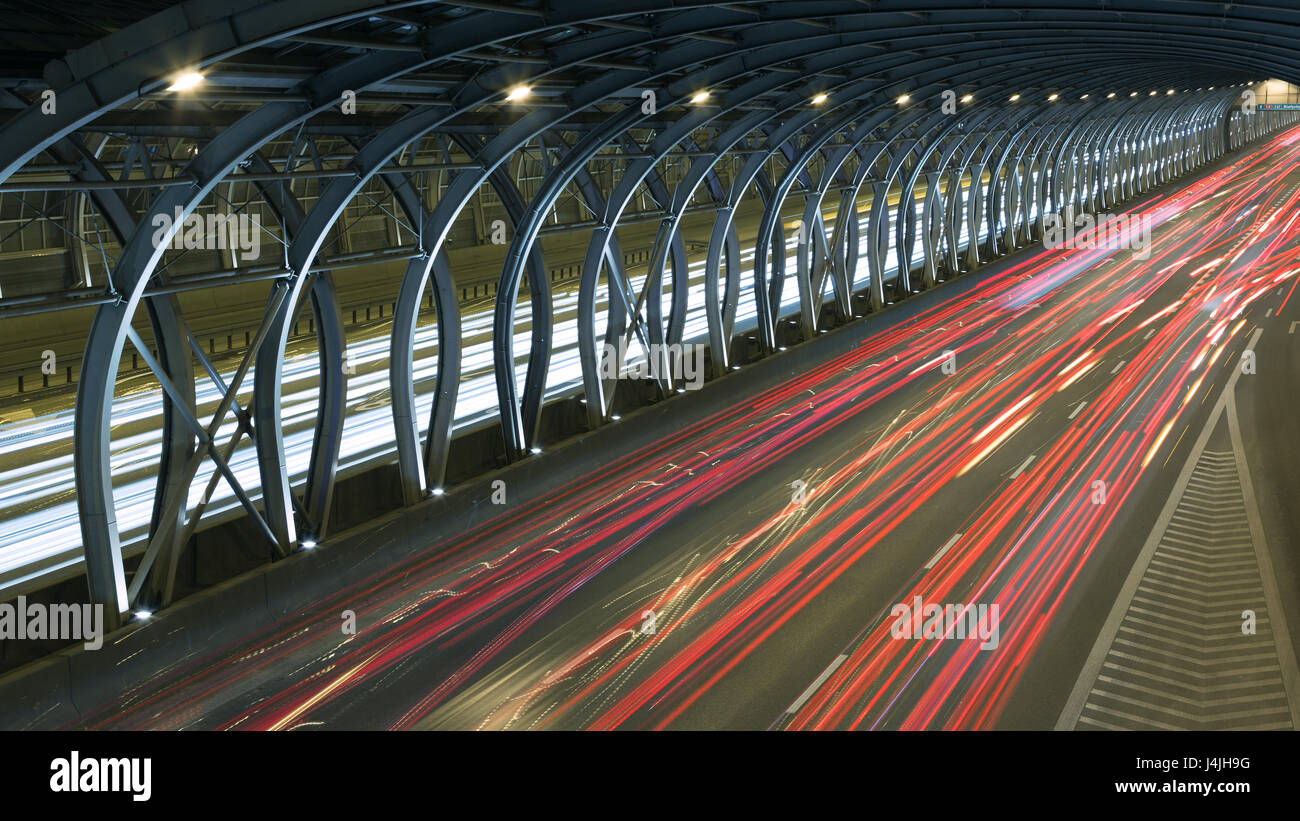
x: 186, y: 81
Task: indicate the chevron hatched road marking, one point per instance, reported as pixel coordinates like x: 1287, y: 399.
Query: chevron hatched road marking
x: 1180, y: 660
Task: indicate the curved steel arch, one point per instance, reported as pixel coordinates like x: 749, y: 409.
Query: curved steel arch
x: 1024, y: 162
x: 135, y: 267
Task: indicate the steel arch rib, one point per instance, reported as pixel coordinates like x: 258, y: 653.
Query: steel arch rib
x: 92, y: 87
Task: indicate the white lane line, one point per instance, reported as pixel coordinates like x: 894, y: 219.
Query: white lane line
x: 1270, y: 313
x: 936, y: 557
x: 1075, y: 412
x: 812, y: 688
x: 1293, y: 324
x: 1117, y: 367
x: 1148, y: 336
x: 1023, y: 465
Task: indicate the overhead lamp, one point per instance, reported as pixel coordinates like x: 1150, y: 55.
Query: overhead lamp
x: 1051, y: 98
x: 903, y: 99
x: 1015, y: 97
x: 1083, y: 96
x: 1170, y: 91
x: 968, y: 98
x: 186, y: 81
x: 1132, y: 94
x: 1152, y: 94
x: 1110, y: 96
x: 700, y: 96
x: 819, y: 99
x: 518, y: 93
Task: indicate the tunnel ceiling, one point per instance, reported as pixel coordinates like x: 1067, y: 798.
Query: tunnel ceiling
x: 577, y: 57
x: 1206, y: 40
